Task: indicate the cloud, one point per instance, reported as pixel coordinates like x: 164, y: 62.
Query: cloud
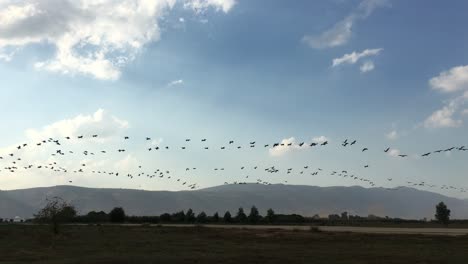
x: 354, y: 57
x: 101, y: 122
x: 176, y: 82
x: 367, y: 66
x: 394, y: 152
x: 455, y: 79
x: 452, y: 81
x: 338, y: 35
x: 320, y: 139
x: 200, y: 6
x: 392, y: 135
x: 282, y: 150
x: 341, y: 32
x: 443, y: 117
x: 156, y: 142
x: 127, y: 164
x: 465, y: 112
x: 91, y: 37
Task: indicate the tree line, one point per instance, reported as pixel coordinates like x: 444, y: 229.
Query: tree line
x: 58, y: 211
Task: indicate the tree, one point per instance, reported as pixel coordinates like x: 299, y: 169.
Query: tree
x: 178, y: 217
x: 55, y: 212
x: 270, y: 216
x: 241, y: 217
x: 117, y: 215
x: 254, y: 216
x: 216, y: 217
x: 227, y: 217
x: 442, y: 213
x: 201, y: 217
x: 96, y: 217
x: 190, y: 216
x: 165, y: 218
x: 344, y: 216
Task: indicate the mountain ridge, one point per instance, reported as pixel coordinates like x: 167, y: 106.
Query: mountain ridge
x: 301, y: 199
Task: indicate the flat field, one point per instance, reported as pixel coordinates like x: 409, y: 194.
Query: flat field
x: 156, y: 244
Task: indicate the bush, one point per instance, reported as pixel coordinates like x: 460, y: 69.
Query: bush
x: 117, y: 215
x: 165, y: 218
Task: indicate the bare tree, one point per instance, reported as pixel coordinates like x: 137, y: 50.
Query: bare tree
x: 55, y: 212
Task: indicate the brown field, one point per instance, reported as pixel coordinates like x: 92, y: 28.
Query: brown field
x: 156, y: 244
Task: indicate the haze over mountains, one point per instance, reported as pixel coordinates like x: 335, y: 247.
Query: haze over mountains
x: 305, y: 200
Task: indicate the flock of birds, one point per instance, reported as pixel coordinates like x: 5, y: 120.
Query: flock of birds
x: 15, y: 163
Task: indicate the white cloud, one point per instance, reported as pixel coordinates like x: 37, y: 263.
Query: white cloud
x: 127, y: 164
x: 91, y: 37
x: 100, y: 122
x: 281, y: 150
x: 450, y: 81
x: 392, y: 135
x: 200, y: 6
x: 181, y: 19
x: 338, y: 35
x: 320, y: 139
x: 443, y: 118
x: 455, y: 79
x: 341, y: 32
x: 394, y: 152
x: 354, y: 57
x: 108, y: 128
x: 367, y: 66
x: 156, y: 142
x: 176, y: 82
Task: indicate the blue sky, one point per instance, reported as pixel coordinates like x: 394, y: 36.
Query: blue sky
x: 386, y: 73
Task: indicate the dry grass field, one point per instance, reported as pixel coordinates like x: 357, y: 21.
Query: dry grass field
x: 144, y: 244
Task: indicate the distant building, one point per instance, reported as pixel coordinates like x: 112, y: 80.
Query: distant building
x: 18, y: 219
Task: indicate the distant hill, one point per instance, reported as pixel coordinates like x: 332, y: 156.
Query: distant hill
x: 305, y: 200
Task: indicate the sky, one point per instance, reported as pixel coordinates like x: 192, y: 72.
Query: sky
x: 386, y: 73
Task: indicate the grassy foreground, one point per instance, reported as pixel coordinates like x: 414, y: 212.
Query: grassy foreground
x: 142, y: 244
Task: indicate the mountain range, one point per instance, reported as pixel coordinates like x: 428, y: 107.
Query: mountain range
x: 404, y: 202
